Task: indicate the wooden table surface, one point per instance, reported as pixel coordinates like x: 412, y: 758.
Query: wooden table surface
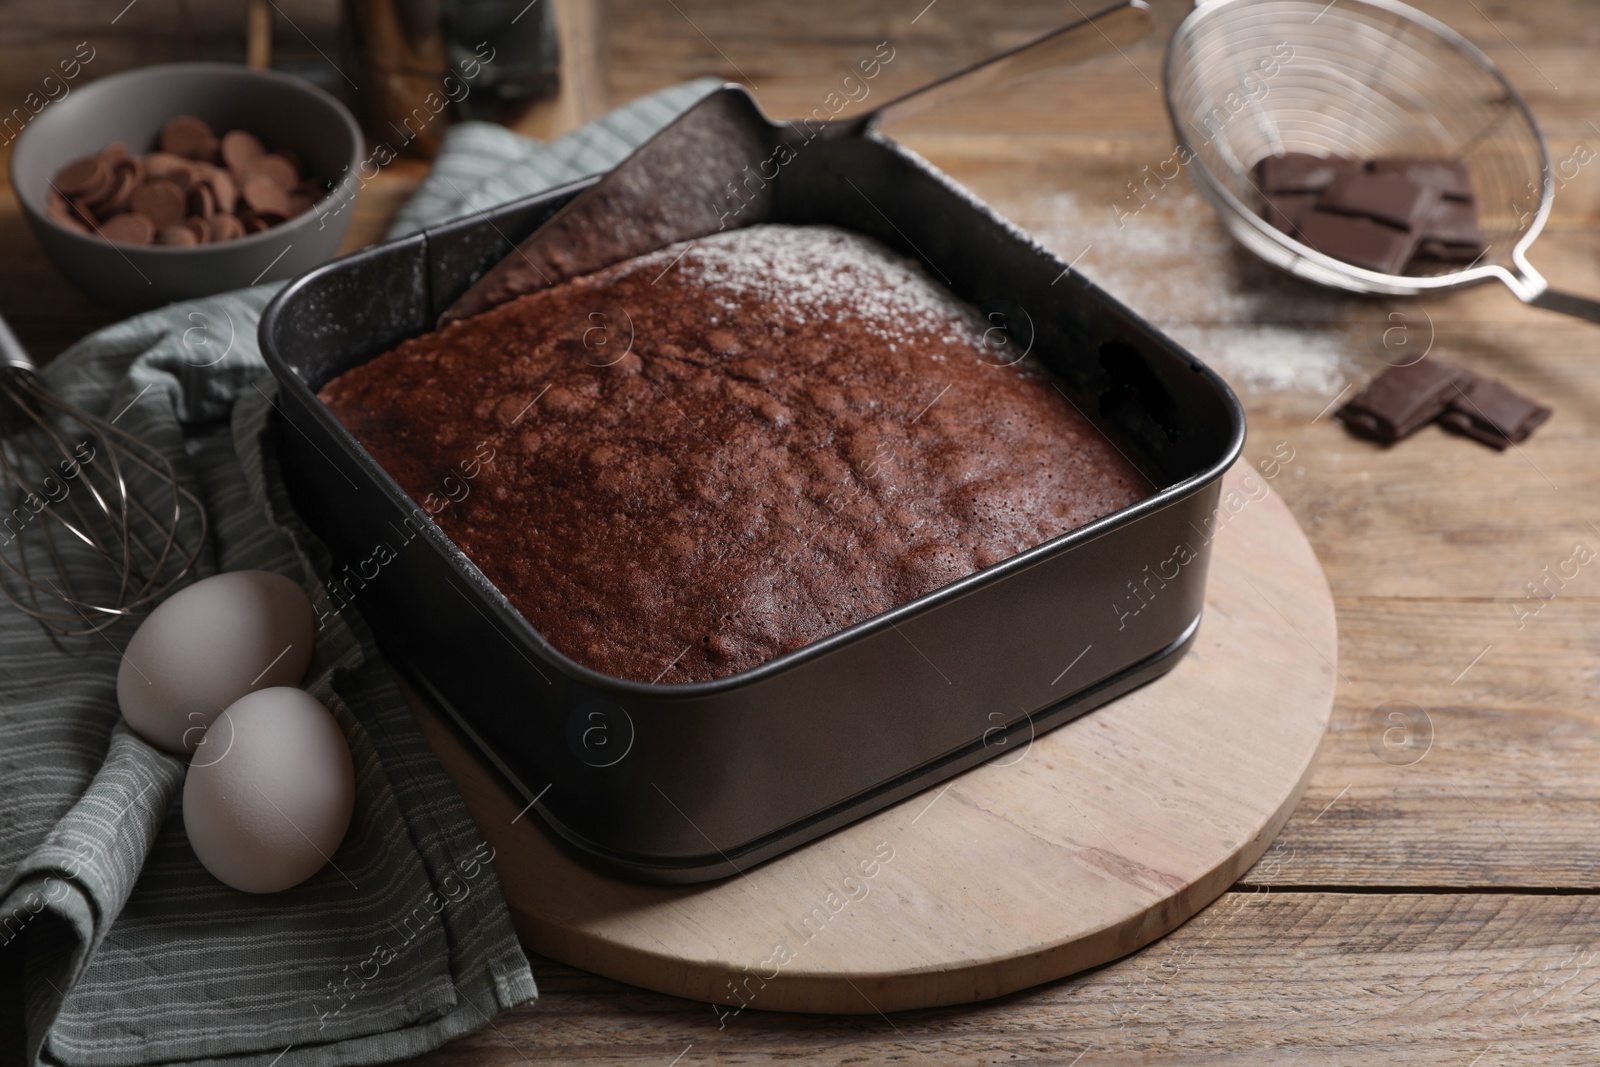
x: 1442, y: 912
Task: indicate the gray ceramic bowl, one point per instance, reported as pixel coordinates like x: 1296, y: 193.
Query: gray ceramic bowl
x: 132, y: 107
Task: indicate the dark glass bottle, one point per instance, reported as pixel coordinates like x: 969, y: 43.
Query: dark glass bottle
x: 424, y: 63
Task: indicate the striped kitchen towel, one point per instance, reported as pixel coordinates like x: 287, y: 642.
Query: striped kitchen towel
x: 123, y: 950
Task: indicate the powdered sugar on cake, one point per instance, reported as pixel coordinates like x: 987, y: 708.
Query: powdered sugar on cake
x: 810, y: 273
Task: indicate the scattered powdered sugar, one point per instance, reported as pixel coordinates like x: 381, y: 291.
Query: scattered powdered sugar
x: 1170, y: 261
x: 1283, y: 358
x: 819, y: 272
x: 1173, y: 263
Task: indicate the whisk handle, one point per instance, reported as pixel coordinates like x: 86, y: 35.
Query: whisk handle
x: 1566, y: 303
x: 12, y: 355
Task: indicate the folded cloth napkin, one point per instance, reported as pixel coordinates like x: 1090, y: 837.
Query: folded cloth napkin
x: 128, y: 952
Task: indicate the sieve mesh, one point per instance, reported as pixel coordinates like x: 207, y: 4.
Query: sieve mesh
x: 1247, y: 79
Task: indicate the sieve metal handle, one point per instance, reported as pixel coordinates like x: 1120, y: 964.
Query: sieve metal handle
x: 1577, y: 306
x: 1113, y: 28
x: 1531, y: 288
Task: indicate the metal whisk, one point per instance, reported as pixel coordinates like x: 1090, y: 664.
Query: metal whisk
x: 90, y: 531
x: 1247, y: 79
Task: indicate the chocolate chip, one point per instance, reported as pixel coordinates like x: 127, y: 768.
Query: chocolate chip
x: 276, y: 168
x: 131, y: 165
x: 200, y: 227
x: 223, y: 190
x: 239, y: 147
x: 102, y: 193
x: 82, y: 212
x: 160, y: 201
x: 189, y: 137
x: 292, y: 158
x: 61, y: 211
x: 181, y: 187
x: 166, y: 165
x: 81, y: 177
x: 176, y: 235
x: 1402, y: 400
x: 265, y: 196
x: 202, y: 201
x: 226, y: 228
x: 130, y: 228
x: 1490, y: 411
x: 122, y: 197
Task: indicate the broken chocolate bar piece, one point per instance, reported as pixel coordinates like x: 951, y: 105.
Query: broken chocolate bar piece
x: 1402, y: 400
x: 1298, y: 172
x: 1397, y: 209
x: 1451, y: 233
x: 1285, y: 210
x: 1449, y: 176
x: 1358, y: 241
x: 1491, y: 412
x: 1390, y: 198
x: 1445, y: 252
x: 1453, y: 222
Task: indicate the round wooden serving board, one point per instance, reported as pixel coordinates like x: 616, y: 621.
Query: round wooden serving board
x: 1091, y: 842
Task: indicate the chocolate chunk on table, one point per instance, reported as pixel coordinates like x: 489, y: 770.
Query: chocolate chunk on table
x: 1358, y: 241
x: 1402, y: 400
x: 1490, y: 411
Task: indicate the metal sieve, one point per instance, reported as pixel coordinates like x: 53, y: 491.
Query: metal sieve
x: 1246, y: 79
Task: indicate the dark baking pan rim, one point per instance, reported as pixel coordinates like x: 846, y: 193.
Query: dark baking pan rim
x: 724, y: 864
x: 1158, y: 501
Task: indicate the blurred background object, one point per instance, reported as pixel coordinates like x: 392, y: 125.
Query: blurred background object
x: 425, y: 62
x: 527, y: 63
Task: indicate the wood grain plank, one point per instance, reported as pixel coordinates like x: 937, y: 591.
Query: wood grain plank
x: 1439, y: 516
x: 1260, y: 978
x: 794, y: 56
x: 1503, y: 791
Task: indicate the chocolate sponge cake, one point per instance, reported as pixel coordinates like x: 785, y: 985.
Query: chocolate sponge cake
x: 691, y: 462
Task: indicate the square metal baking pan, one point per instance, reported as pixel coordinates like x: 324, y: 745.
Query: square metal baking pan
x: 690, y: 782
